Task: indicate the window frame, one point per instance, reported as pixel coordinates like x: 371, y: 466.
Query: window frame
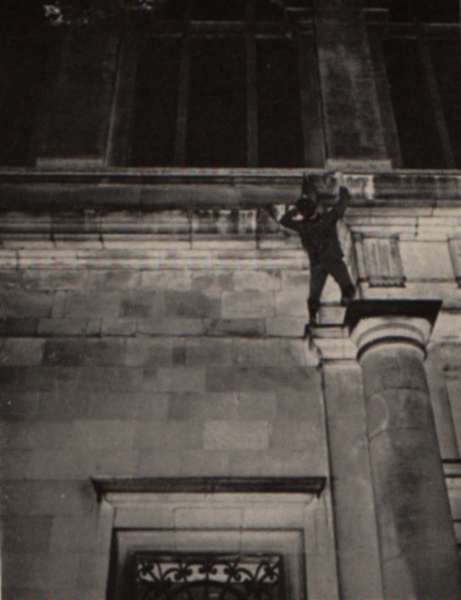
x: 298, y: 26
x: 287, y: 516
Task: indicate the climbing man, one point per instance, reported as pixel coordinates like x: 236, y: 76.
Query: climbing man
x: 317, y: 230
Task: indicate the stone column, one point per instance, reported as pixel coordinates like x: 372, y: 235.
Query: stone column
x: 419, y: 556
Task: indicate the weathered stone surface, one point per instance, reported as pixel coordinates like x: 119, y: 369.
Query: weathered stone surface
x: 170, y: 326
x: 191, y: 305
x: 172, y: 436
x: 233, y: 435
x: 18, y: 327
x: 257, y: 280
x: 415, y: 529
x: 426, y: 260
x: 18, y: 406
x: 20, y: 304
x: 113, y: 280
x: 179, y: 280
x: 234, y: 327
x: 137, y: 304
x: 355, y: 519
x: 21, y: 351
x: 204, y: 352
x: 242, y: 379
x: 212, y: 284
x: 256, y: 406
x: 180, y: 379
x: 101, y: 304
x: 144, y: 352
x: 202, y: 406
x: 247, y: 304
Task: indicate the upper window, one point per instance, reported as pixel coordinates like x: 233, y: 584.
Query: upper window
x: 29, y: 60
x: 421, y: 54
x: 218, y: 84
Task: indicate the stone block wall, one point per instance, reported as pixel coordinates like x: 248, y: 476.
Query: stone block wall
x: 141, y: 373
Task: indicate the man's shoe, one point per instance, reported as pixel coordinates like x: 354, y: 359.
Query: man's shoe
x: 308, y: 327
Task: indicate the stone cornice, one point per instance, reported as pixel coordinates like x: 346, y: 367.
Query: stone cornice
x: 153, y: 189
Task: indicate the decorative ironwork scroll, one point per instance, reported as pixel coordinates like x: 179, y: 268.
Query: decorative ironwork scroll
x: 208, y: 577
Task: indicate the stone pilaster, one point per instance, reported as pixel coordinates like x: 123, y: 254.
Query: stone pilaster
x: 417, y: 543
x: 348, y: 88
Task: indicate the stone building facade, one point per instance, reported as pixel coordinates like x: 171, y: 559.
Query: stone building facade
x: 157, y: 398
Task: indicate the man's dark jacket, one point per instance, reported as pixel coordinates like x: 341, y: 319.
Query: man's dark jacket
x: 318, y: 235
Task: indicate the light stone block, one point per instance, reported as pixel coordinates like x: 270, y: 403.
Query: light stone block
x: 232, y: 435
x: 208, y: 518
x: 144, y: 352
x: 113, y: 434
x: 247, y: 304
x: 257, y: 280
x: 179, y: 280
x: 426, y: 260
x: 181, y: 379
x: 291, y: 302
x: 282, y: 326
x: 21, y: 351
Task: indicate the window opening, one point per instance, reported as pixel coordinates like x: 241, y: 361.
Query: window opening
x: 223, y: 84
x: 208, y: 576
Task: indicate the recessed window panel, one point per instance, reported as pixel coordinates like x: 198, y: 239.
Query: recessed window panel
x: 279, y: 104
x: 169, y: 10
x: 419, y: 139
x: 216, y: 123
x: 157, y: 87
x: 446, y: 58
x: 268, y: 10
x: 219, y: 10
x: 28, y: 68
x: 416, y: 11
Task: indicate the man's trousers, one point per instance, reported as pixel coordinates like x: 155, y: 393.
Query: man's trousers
x: 319, y: 273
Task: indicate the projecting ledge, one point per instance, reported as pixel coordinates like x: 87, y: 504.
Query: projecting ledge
x: 372, y: 322
x: 209, y: 485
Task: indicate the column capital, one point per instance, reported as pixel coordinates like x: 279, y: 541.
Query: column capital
x: 373, y: 322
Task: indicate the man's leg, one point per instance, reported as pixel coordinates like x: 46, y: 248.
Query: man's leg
x: 340, y: 273
x: 319, y: 275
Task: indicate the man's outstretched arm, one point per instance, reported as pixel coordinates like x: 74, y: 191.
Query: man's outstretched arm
x: 344, y: 196
x: 290, y: 222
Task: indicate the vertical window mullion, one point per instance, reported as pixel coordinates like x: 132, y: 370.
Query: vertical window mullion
x: 311, y: 114
x: 252, y: 105
x: 119, y: 146
x: 183, y: 95
x: 436, y: 102
x: 385, y: 102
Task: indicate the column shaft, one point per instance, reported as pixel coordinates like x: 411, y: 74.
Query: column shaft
x: 418, y: 547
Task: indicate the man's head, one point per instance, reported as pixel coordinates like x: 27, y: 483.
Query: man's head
x: 307, y: 205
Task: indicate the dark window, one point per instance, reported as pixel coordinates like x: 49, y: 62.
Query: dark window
x: 429, y: 11
x: 415, y: 119
x: 422, y: 62
x: 29, y: 59
x: 220, y: 84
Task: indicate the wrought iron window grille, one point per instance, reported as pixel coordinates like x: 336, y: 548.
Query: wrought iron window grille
x: 161, y: 576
